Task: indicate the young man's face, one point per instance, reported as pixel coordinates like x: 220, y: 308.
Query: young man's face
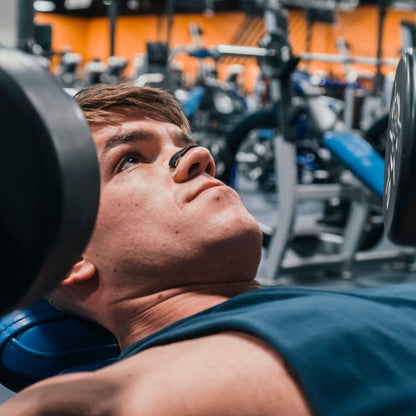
x: 180, y: 223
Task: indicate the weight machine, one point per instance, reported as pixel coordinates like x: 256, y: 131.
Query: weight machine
x: 354, y: 153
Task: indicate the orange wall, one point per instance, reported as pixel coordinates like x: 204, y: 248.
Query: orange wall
x: 90, y: 37
x: 67, y: 33
x: 359, y: 29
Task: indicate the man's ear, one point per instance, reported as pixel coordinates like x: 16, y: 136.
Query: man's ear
x: 81, y: 271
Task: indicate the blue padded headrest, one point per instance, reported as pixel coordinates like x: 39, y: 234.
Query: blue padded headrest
x: 40, y: 342
x: 359, y: 157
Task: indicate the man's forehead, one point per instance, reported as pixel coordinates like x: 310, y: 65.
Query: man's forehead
x: 120, y: 116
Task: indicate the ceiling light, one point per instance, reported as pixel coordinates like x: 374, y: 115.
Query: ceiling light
x: 44, y: 6
x: 77, y: 4
x: 133, y: 4
x: 403, y: 5
x: 322, y: 4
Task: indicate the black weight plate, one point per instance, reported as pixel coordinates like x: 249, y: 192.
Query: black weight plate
x: 49, y: 180
x: 399, y: 201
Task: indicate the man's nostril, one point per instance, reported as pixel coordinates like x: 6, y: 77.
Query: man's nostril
x: 193, y: 168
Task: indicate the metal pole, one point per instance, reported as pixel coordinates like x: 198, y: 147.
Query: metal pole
x: 237, y: 50
x: 364, y: 60
x: 379, y: 76
x: 170, y: 9
x: 25, y: 25
x: 113, y: 16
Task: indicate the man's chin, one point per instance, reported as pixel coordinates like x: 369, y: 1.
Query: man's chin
x: 242, y: 225
x: 240, y: 246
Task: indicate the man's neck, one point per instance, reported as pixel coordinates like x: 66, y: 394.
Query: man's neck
x: 141, y: 317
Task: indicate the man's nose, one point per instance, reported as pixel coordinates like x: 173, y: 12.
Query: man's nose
x: 191, y: 162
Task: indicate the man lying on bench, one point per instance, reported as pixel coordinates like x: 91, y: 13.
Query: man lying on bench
x: 170, y: 271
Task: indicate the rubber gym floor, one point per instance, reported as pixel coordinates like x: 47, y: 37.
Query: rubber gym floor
x: 264, y: 207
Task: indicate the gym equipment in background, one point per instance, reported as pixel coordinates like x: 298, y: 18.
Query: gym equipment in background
x: 356, y: 157
x: 68, y: 70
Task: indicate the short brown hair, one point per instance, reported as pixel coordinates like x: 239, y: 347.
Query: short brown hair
x: 99, y: 103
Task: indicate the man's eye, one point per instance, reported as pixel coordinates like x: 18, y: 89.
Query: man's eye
x: 129, y: 161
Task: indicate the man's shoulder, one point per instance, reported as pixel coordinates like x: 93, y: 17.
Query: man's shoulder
x: 226, y: 373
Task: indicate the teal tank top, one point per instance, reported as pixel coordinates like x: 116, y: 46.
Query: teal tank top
x: 353, y: 353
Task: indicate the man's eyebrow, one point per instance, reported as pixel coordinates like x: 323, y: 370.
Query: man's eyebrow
x: 123, y: 138
x: 182, y: 137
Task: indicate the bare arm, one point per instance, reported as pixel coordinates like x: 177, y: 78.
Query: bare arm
x: 225, y: 374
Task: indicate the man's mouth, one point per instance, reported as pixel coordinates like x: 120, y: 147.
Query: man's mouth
x: 203, y: 188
